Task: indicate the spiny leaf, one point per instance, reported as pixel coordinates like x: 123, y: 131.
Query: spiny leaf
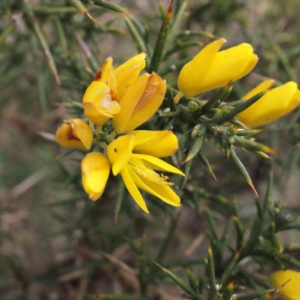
x: 211, y: 274
x: 242, y: 169
x: 181, y: 283
x: 159, y: 50
x: 81, y: 8
x: 110, y: 5
x: 251, y: 145
x: 196, y: 145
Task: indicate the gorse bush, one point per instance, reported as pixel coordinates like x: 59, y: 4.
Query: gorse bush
x: 178, y: 150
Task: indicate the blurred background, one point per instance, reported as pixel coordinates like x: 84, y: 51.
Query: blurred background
x: 54, y: 242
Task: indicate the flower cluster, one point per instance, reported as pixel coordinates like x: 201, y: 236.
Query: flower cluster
x: 122, y: 95
x: 127, y: 99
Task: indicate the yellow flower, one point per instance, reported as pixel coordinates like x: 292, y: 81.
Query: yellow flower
x: 290, y: 280
x: 101, y: 99
x: 140, y: 101
x: 74, y: 133
x: 135, y: 157
x: 95, y: 169
x: 211, y: 69
x: 273, y: 105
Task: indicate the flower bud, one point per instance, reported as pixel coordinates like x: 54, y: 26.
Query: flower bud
x: 95, y: 169
x: 74, y: 133
x: 211, y: 69
x: 273, y: 105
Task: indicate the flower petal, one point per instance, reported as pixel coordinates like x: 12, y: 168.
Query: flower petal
x: 260, y: 88
x: 137, y: 170
x: 141, y: 136
x: 163, y: 192
x: 129, y: 101
x: 133, y: 190
x: 75, y: 133
x: 140, y: 102
x: 162, y: 144
x: 95, y: 169
x: 229, y: 65
x: 211, y: 69
x: 119, y: 152
x: 107, y: 76
x: 192, y: 73
x: 291, y: 279
x: 98, y: 104
x: 273, y: 105
x: 253, y: 59
x: 155, y: 163
x: 127, y: 73
x: 91, y: 112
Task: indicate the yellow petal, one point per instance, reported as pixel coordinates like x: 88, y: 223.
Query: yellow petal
x: 107, y: 76
x: 192, y: 73
x: 133, y: 190
x: 273, y: 105
x: 90, y: 112
x: 228, y: 66
x: 75, y: 133
x: 163, y: 192
x: 127, y: 73
x: 141, y: 136
x: 291, y: 290
x: 98, y: 103
x: 97, y: 92
x: 211, y: 69
x: 137, y: 170
x: 260, y: 88
x: 155, y: 163
x: 251, y: 64
x: 163, y: 143
x: 95, y: 169
x: 119, y: 152
x: 140, y: 102
x: 129, y: 101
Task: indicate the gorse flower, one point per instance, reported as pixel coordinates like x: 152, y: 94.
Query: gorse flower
x: 274, y: 104
x: 74, y: 133
x: 135, y: 157
x: 288, y: 284
x: 123, y: 95
x: 130, y: 100
x: 95, y: 169
x: 101, y: 99
x: 211, y: 69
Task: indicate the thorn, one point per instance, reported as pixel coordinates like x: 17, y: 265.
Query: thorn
x: 252, y: 187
